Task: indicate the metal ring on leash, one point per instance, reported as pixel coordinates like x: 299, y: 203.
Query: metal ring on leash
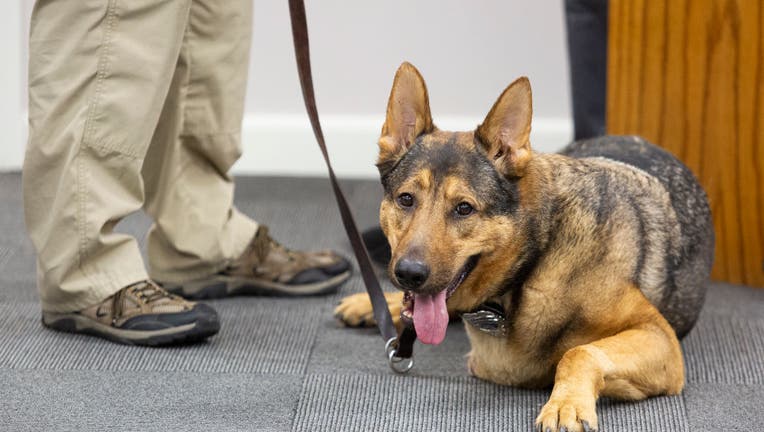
x: 399, y: 365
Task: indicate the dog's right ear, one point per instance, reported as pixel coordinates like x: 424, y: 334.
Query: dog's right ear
x: 408, y: 116
x: 505, y: 133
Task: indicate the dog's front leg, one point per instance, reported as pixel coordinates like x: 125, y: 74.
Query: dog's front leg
x: 643, y: 361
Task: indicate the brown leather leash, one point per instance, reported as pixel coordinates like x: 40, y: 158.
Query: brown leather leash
x: 399, y: 350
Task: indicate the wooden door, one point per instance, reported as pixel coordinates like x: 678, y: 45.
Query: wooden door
x: 689, y: 75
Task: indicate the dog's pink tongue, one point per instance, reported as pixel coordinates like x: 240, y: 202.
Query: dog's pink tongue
x: 430, y: 317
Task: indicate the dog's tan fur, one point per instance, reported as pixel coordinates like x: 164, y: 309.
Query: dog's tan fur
x: 579, y: 319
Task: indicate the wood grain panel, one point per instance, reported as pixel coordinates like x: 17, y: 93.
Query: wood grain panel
x: 689, y: 75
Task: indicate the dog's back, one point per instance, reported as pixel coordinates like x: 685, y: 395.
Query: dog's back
x: 680, y: 289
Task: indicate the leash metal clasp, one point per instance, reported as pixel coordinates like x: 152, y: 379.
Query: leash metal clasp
x: 399, y: 365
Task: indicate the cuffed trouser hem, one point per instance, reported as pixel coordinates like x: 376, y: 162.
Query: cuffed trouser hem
x: 176, y: 267
x: 101, y: 286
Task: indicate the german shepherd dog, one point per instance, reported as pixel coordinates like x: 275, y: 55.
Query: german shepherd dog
x: 580, y: 269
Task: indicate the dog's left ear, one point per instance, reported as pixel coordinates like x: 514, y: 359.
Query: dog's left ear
x: 505, y: 132
x: 408, y: 116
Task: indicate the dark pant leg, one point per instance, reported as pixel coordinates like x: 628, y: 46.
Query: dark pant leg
x: 587, y: 49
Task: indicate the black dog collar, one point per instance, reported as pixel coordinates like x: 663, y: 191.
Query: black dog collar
x: 488, y: 318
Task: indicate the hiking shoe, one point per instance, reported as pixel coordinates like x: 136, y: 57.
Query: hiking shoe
x: 268, y: 268
x: 140, y: 314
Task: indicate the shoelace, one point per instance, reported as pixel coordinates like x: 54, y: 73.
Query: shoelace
x: 145, y: 291
x: 264, y: 243
x: 149, y: 292
x: 290, y: 253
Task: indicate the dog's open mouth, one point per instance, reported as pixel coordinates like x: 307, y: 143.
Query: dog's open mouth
x: 428, y: 311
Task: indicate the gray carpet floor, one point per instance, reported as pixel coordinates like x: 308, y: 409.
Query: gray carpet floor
x: 284, y: 364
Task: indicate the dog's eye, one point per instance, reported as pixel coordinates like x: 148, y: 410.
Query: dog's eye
x: 405, y: 200
x: 464, y: 209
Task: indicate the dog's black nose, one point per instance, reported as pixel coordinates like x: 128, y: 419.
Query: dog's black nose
x: 411, y: 273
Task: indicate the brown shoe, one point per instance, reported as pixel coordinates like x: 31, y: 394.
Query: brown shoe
x: 268, y: 268
x: 140, y: 314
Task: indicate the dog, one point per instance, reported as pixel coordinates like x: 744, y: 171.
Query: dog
x: 580, y: 269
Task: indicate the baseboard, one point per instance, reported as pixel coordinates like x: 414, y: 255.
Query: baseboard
x: 283, y: 145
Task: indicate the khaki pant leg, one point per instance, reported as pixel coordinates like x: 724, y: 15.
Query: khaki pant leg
x: 99, y: 71
x: 189, y: 192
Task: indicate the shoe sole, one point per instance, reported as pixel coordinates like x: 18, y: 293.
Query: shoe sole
x: 224, y: 286
x: 177, y: 335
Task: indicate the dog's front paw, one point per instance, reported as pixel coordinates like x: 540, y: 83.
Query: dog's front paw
x: 356, y: 310
x: 568, y: 413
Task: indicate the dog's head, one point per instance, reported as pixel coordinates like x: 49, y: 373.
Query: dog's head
x: 451, y: 211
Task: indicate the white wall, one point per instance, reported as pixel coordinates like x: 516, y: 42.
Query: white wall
x: 467, y: 51
x: 11, y: 83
